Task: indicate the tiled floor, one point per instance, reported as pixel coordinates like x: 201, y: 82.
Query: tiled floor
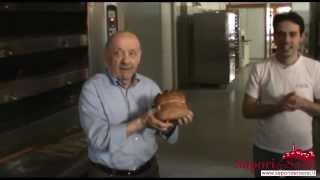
x: 218, y: 136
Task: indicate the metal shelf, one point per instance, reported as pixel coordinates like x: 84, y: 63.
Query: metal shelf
x: 23, y: 23
x: 39, y: 64
x: 28, y: 45
x: 18, y: 89
x: 43, y: 7
x: 54, y: 146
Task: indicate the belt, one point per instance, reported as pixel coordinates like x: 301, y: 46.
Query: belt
x: 118, y: 172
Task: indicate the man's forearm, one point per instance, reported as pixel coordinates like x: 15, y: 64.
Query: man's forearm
x: 135, y: 126
x: 261, y: 111
x: 312, y: 108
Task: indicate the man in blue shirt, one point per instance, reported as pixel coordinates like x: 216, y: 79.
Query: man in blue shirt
x: 116, y: 114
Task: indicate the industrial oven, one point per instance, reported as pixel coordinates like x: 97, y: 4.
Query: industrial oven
x: 43, y: 65
x: 208, y: 48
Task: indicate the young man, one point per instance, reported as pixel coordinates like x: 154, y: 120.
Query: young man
x: 116, y: 115
x: 283, y: 94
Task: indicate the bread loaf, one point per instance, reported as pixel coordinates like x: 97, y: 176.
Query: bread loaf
x: 171, y: 105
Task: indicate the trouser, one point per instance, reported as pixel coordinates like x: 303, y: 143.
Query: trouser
x: 151, y: 171
x: 275, y: 161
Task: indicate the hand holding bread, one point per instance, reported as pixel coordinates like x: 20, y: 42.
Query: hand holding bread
x: 171, y: 106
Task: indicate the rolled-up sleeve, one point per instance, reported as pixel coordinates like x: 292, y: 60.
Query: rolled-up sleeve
x: 101, y: 135
x: 172, y: 137
x: 118, y: 136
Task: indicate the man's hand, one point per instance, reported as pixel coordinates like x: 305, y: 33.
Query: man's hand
x: 147, y: 120
x: 151, y: 121
x: 292, y: 102
x: 187, y: 119
x: 287, y: 103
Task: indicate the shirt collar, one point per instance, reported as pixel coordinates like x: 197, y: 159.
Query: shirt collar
x: 288, y: 66
x: 116, y: 82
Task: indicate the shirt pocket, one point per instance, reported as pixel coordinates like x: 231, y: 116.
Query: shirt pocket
x: 304, y: 90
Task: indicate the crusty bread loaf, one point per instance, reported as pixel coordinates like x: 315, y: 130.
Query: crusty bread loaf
x: 172, y: 105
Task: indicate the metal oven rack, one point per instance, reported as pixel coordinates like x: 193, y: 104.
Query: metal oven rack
x: 43, y: 64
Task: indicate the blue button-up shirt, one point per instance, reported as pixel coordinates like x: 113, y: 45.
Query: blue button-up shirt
x: 105, y: 109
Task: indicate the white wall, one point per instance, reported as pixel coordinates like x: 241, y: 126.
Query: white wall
x: 252, y: 22
x: 143, y: 19
x: 152, y: 22
x: 303, y: 9
x: 213, y: 5
x: 167, y: 45
x: 175, y: 14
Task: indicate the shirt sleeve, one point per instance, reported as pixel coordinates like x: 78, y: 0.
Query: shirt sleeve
x: 252, y: 88
x: 155, y: 90
x: 101, y: 135
x: 172, y: 137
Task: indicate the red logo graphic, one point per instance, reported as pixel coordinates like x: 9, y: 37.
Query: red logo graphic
x: 296, y: 159
x: 299, y: 159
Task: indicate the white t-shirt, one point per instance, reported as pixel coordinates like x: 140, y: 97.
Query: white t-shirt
x: 269, y: 81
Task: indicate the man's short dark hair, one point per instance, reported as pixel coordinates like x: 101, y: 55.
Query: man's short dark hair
x: 289, y: 16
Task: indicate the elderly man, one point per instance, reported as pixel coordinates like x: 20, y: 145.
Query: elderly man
x: 283, y: 94
x: 117, y: 116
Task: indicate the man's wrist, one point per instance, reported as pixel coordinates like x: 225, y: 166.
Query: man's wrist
x: 135, y: 126
x: 141, y: 123
x: 305, y: 104
x: 277, y: 108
